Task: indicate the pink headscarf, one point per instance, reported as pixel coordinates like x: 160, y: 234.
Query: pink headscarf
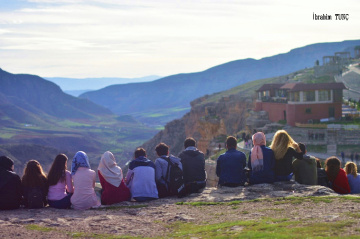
x: 256, y: 152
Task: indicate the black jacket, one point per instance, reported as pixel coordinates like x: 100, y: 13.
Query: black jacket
x: 10, y: 190
x: 193, y: 163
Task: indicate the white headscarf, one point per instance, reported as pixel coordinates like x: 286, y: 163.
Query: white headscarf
x: 109, y: 169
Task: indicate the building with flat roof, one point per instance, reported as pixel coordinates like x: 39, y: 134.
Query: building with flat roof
x: 300, y: 102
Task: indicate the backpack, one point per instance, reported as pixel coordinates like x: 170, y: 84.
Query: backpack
x: 35, y: 198
x: 174, y: 179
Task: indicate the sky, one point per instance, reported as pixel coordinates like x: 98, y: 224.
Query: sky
x: 121, y: 38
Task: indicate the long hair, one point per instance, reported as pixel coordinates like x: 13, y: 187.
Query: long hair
x: 280, y: 143
x: 332, y: 167
x: 351, y: 168
x: 34, y: 175
x: 57, y: 170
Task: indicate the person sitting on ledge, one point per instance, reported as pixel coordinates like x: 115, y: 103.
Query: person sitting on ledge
x: 285, y: 148
x: 230, y: 165
x: 10, y: 185
x: 261, y: 161
x: 140, y: 177
x: 113, y: 186
x: 193, y: 162
x: 305, y: 170
x: 353, y: 177
x: 336, y: 175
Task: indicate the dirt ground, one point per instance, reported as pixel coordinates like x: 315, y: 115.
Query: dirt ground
x: 131, y: 219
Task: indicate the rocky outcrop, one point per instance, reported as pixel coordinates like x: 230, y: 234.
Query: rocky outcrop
x: 209, y: 122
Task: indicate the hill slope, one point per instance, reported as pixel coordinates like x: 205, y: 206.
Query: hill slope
x: 172, y: 94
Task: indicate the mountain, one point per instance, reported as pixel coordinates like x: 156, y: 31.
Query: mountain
x: 159, y: 101
x: 37, y: 117
x: 76, y: 86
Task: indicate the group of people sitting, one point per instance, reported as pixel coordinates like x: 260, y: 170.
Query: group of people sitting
x: 146, y: 180
x: 65, y: 189
x: 276, y: 163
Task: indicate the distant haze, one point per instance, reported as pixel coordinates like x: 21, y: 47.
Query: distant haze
x: 76, y: 86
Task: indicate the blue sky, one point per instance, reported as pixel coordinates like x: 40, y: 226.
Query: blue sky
x: 117, y: 38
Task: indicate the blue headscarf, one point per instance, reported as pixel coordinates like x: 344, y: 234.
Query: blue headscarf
x: 80, y: 160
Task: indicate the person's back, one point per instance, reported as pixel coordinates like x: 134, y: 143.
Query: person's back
x: 10, y: 185
x: 193, y: 162
x: 266, y: 174
x: 140, y: 178
x: 353, y: 177
x: 110, y: 174
x: 261, y: 161
x: 337, y: 175
x: 230, y: 165
x: 305, y: 170
x: 84, y: 196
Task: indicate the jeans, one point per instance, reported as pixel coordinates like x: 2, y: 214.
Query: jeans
x: 62, y: 203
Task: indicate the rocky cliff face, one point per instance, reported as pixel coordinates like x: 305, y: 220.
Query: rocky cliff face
x: 209, y: 122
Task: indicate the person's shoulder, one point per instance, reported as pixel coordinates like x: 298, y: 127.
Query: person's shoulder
x: 67, y: 173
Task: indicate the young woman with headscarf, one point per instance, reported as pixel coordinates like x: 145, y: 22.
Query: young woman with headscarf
x: 10, y: 185
x: 110, y: 174
x: 84, y: 196
x: 261, y: 161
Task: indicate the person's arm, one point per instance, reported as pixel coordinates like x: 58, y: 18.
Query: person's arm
x: 249, y: 161
x: 298, y: 155
x: 158, y: 170
x: 69, y: 183
x: 218, y: 167
x: 128, y: 176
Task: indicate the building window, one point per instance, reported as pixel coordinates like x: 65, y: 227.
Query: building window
x: 295, y: 96
x: 308, y: 110
x: 324, y: 95
x: 309, y: 95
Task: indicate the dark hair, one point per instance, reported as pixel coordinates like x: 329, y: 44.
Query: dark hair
x: 34, y: 175
x: 6, y: 163
x: 57, y: 170
x: 231, y: 142
x: 189, y: 142
x: 318, y: 163
x: 162, y: 149
x: 332, y: 167
x: 302, y: 147
x: 139, y: 152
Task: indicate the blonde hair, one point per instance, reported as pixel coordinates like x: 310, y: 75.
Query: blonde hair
x: 281, y: 142
x: 351, y: 168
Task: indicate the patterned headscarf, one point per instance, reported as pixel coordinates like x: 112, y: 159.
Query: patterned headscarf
x: 80, y: 160
x: 111, y: 172
x: 257, y: 158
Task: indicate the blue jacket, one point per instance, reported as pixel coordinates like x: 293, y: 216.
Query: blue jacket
x: 267, y: 175
x: 230, y: 167
x: 140, y: 178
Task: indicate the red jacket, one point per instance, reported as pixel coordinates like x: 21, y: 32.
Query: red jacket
x: 112, y: 194
x: 341, y: 183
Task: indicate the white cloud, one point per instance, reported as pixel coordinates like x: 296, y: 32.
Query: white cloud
x: 135, y: 38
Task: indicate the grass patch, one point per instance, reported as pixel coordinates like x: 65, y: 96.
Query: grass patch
x: 354, y: 215
x: 38, y: 228
x: 265, y: 228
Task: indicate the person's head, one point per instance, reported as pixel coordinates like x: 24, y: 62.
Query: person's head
x: 189, y: 142
x: 318, y: 163
x: 57, y: 170
x: 139, y: 152
x: 231, y: 142
x: 162, y: 149
x: 332, y: 167
x: 6, y: 163
x: 280, y: 143
x: 80, y: 160
x: 302, y: 148
x: 259, y: 139
x: 108, y: 160
x: 351, y: 168
x: 34, y: 175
